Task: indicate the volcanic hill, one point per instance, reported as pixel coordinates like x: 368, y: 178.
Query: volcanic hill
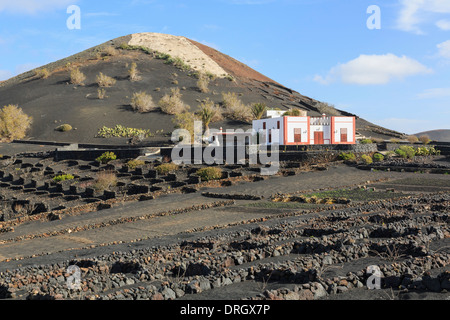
x: 163, y: 62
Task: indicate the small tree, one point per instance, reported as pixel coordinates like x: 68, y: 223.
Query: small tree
x: 209, y: 112
x: 14, y: 123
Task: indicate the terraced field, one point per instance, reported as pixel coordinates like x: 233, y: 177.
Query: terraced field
x: 229, y: 240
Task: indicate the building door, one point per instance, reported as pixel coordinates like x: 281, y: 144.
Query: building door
x: 344, y: 135
x: 318, y: 137
x: 297, y: 135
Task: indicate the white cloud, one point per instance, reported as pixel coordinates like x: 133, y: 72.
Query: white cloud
x: 444, y: 49
x: 33, y: 6
x: 415, y: 12
x: 443, y: 25
x: 374, y: 70
x: 434, y: 93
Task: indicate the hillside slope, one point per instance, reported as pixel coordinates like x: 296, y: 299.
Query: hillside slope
x: 54, y: 101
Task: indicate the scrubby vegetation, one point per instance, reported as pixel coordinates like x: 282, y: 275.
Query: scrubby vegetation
x: 105, y: 180
x: 366, y: 159
x: 133, y: 73
x: 142, y: 102
x: 186, y: 121
x: 42, y: 73
x: 64, y: 128
x: 101, y: 94
x: 104, y: 81
x: 210, y: 173
x: 77, y: 77
x: 235, y: 109
x: 120, y: 131
x: 166, y: 168
x: 406, y: 152
x: 349, y: 156
x: 14, y: 123
x: 203, y: 82
x: 63, y: 177
x: 365, y: 141
x: 106, y: 157
x: 378, y: 157
x: 413, y: 139
x: 293, y: 113
x: 326, y: 108
x: 133, y: 164
x: 172, y: 103
x: 425, y: 139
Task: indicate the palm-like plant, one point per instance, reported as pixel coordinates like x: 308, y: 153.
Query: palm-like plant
x: 258, y: 110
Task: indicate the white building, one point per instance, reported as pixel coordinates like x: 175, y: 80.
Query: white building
x: 304, y: 130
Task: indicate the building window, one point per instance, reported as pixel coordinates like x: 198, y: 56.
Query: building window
x: 297, y: 135
x: 264, y: 126
x: 278, y: 125
x: 270, y: 135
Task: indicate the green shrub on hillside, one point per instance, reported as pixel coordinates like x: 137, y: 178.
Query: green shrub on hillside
x: 63, y: 177
x: 350, y: 156
x: 378, y: 157
x: 366, y: 159
x: 64, y: 128
x: 166, y: 168
x: 106, y: 157
x: 406, y: 152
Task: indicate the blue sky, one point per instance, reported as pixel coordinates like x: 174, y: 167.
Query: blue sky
x: 396, y: 76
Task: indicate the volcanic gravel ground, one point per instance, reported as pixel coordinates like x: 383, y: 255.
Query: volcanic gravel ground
x: 176, y: 249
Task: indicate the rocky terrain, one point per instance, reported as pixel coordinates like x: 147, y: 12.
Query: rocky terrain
x: 244, y: 237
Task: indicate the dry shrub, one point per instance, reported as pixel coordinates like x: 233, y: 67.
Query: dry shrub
x: 203, y: 82
x: 185, y: 120
x: 413, y: 139
x: 425, y: 139
x: 77, y: 77
x: 42, y: 73
x: 105, y: 180
x: 235, y: 109
x: 109, y: 51
x: 142, y: 102
x: 14, y: 123
x: 172, y: 103
x: 105, y: 81
x: 101, y: 94
x: 133, y: 73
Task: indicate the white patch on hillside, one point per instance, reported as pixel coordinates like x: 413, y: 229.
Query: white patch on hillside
x: 178, y: 47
